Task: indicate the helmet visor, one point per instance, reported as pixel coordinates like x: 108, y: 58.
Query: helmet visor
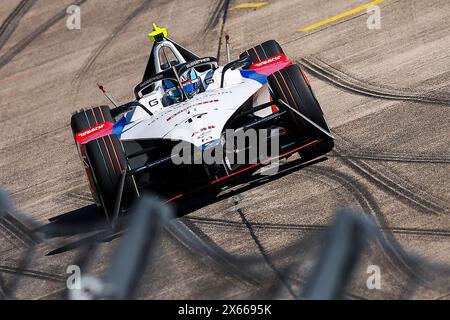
x: 191, y: 82
x: 172, y: 91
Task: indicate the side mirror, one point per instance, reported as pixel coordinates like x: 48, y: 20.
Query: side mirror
x: 243, y: 62
x: 233, y: 65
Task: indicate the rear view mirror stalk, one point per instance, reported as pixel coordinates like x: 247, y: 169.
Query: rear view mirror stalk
x: 239, y: 63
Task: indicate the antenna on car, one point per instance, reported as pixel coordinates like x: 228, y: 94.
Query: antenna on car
x: 227, y: 44
x: 107, y: 95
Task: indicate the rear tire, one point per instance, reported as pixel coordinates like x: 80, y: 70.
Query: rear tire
x: 291, y: 86
x: 105, y: 160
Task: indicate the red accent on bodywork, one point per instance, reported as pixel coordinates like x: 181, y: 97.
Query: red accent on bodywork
x: 99, y: 130
x: 271, y: 65
x: 173, y: 199
x: 264, y: 162
x: 274, y: 107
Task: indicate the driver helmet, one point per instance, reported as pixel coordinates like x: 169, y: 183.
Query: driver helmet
x: 191, y: 82
x: 172, y: 91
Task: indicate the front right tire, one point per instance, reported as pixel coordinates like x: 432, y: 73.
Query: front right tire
x: 291, y: 86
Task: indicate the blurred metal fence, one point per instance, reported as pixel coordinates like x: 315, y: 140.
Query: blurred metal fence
x: 344, y: 243
x: 137, y: 248
x: 342, y: 246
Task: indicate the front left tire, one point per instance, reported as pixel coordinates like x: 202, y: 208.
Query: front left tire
x: 104, y: 160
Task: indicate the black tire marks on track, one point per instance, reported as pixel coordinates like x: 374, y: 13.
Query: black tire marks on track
x: 308, y: 227
x: 3, y: 290
x: 57, y: 136
x: 80, y: 197
x: 394, y: 253
x: 83, y: 71
x: 196, y: 241
x: 32, y: 274
x: 18, y: 232
x: 397, y: 186
x: 395, y: 157
x: 219, y: 9
x: 421, y: 202
x: 218, y: 13
x: 222, y: 27
x: 410, y: 267
x: 342, y: 80
x: 12, y: 21
x: 259, y: 226
x: 190, y: 237
x: 280, y: 275
x: 399, y: 259
x: 21, y: 45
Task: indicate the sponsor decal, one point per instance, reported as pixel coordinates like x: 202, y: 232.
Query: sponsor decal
x: 202, y: 130
x: 205, y: 102
x: 197, y: 62
x: 95, y: 132
x: 275, y: 59
x: 266, y: 67
x: 212, y: 94
x: 154, y: 79
x: 221, y: 93
x: 272, y: 62
x: 177, y: 113
x: 189, y: 107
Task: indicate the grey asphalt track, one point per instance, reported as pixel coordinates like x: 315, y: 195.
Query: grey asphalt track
x: 385, y: 94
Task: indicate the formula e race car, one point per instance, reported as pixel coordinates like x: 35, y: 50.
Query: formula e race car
x: 188, y: 106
